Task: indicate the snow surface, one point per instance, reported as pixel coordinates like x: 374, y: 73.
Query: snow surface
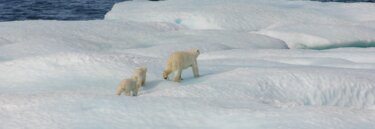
x: 63, y: 74
x: 301, y: 24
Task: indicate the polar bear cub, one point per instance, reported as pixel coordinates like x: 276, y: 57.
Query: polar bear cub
x: 128, y: 86
x: 181, y: 60
x: 140, y: 75
x: 131, y: 86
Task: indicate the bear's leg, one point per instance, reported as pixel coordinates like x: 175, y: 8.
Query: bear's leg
x: 177, y: 75
x: 139, y: 83
x: 120, y: 89
x: 118, y: 92
x: 127, y: 92
x: 135, y: 89
x: 195, y: 70
x: 143, y: 80
x: 135, y: 92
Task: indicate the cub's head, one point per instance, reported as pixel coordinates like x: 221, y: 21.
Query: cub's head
x: 142, y: 70
x: 195, y: 51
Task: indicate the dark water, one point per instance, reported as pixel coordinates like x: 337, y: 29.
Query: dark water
x: 15, y: 10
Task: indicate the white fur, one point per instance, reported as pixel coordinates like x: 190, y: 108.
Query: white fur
x: 140, y: 75
x: 129, y: 86
x: 181, y: 60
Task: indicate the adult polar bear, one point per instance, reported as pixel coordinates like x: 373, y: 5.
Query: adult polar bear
x: 181, y: 60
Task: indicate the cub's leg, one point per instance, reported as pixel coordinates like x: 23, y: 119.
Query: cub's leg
x: 144, y: 80
x: 120, y: 88
x: 127, y: 92
x: 135, y: 92
x: 119, y: 91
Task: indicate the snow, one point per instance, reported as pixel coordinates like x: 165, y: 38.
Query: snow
x: 301, y: 24
x: 64, y: 74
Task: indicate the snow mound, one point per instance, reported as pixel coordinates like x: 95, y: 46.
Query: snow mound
x: 284, y: 86
x: 301, y: 24
x: 318, y: 36
x: 308, y: 86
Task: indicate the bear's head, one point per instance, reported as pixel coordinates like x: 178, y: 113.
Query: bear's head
x: 195, y: 51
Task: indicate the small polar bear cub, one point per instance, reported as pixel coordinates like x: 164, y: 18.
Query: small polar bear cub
x: 131, y: 86
x: 182, y: 60
x: 140, y: 75
x: 128, y: 86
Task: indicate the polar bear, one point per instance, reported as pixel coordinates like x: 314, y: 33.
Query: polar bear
x: 140, y: 75
x: 129, y: 86
x: 181, y: 60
